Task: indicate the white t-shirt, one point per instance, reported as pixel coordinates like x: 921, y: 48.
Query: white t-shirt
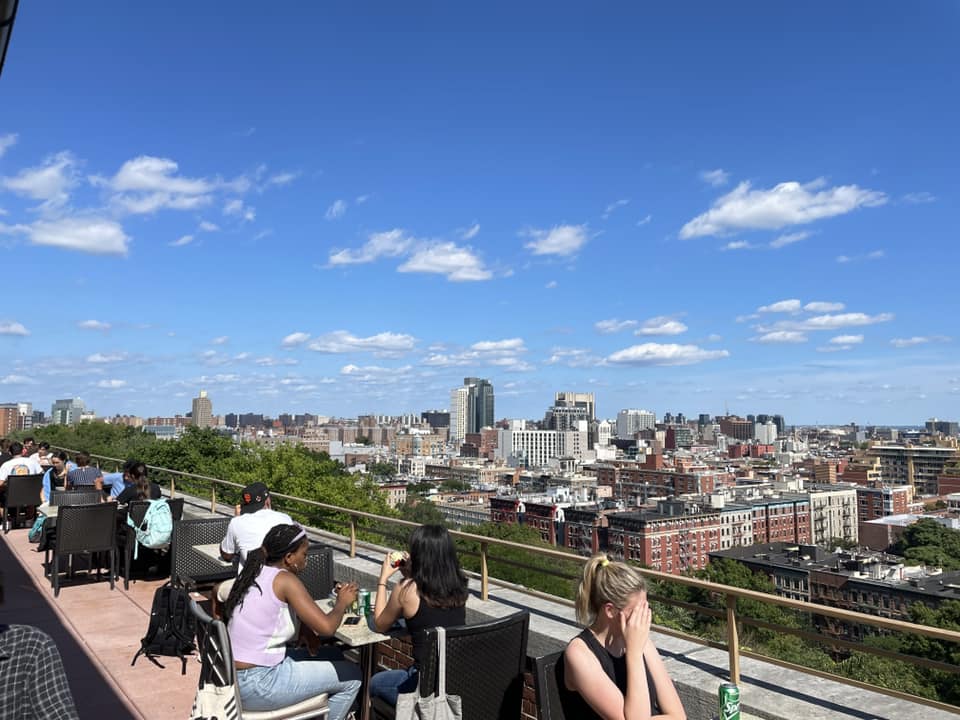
x: 246, y: 532
x: 20, y: 466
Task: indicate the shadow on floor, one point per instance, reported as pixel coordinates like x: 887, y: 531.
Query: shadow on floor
x: 23, y: 604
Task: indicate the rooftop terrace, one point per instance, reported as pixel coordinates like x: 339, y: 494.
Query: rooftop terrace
x: 98, y: 632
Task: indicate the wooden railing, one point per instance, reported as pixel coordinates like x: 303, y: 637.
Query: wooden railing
x: 731, y: 594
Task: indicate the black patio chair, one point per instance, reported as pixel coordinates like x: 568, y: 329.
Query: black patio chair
x: 23, y: 491
x: 189, y: 565
x: 547, y: 678
x: 85, y: 529
x: 317, y: 576
x: 127, y: 538
x: 75, y: 497
x: 216, y: 667
x: 485, y: 665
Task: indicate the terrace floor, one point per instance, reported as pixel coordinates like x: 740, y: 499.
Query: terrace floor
x: 98, y: 632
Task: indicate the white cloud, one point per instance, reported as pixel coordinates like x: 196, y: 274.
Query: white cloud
x: 551, y: 285
x: 789, y: 203
x: 917, y: 340
x: 104, y: 358
x: 50, y: 182
x: 784, y: 306
x: 914, y: 198
x: 91, y: 235
x: 112, y: 384
x: 781, y: 336
x: 846, y: 340
x: 644, y: 220
x: 94, y: 325
x: 502, y: 353
x: 789, y: 239
x: 471, y: 232
x: 181, y: 241
x: 574, y: 357
x: 459, y: 264
x: 341, y: 341
x: 222, y: 340
x: 661, y: 325
x: 608, y: 327
x: 382, y: 244
x: 876, y: 254
x: 842, y: 320
x: 207, y: 226
x: 361, y: 199
x: 499, y: 346
x: 824, y: 307
x: 10, y: 327
x: 6, y: 142
x: 294, y: 339
x: 664, y: 354
x: 284, y: 178
x: 614, y: 206
x: 737, y: 245
x: 17, y: 379
x: 561, y: 240
x: 146, y: 184
x: 336, y: 210
x: 717, y: 178
x: 269, y: 361
x: 237, y: 207
x: 374, y: 373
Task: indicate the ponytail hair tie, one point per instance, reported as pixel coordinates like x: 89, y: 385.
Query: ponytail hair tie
x: 605, y: 562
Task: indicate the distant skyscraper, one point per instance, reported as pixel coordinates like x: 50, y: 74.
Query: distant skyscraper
x: 471, y: 407
x: 202, y: 415
x: 459, y: 405
x: 67, y: 412
x: 630, y: 422
x: 577, y: 400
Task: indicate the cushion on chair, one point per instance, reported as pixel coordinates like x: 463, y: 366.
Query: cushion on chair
x: 310, y: 708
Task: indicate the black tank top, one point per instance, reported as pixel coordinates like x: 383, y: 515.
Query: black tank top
x: 575, y: 706
x: 431, y: 617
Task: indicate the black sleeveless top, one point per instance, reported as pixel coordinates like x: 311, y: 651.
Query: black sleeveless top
x: 615, y: 668
x: 431, y: 617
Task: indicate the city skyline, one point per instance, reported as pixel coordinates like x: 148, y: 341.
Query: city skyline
x: 349, y: 210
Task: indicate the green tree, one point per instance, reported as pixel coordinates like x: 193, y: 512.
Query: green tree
x: 382, y: 469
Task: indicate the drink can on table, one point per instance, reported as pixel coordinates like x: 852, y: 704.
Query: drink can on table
x: 729, y: 702
x: 363, y: 599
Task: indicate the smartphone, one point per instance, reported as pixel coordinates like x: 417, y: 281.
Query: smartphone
x: 352, y: 620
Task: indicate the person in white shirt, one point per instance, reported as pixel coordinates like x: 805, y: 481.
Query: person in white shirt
x: 254, y: 520
x: 19, y: 464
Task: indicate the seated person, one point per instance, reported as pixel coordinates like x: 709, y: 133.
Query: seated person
x: 18, y: 464
x: 134, y: 484
x: 56, y: 476
x: 84, y: 475
x: 432, y: 593
x: 254, y: 518
x: 42, y: 454
x: 612, y: 669
x: 263, y: 608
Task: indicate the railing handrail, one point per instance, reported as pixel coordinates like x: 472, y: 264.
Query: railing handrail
x: 729, y: 592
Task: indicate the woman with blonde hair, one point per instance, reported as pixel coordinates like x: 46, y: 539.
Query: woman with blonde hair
x: 612, y: 670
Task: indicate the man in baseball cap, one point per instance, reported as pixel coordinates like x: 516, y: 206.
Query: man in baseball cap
x: 254, y: 519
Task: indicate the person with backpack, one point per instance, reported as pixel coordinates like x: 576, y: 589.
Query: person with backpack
x: 262, y: 611
x: 133, y: 484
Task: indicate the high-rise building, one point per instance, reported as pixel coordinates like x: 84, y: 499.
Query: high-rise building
x: 912, y: 465
x: 436, y: 418
x: 202, y: 415
x: 577, y: 400
x: 471, y: 408
x: 459, y: 404
x: 630, y: 422
x: 9, y: 413
x: 67, y: 412
x: 736, y: 427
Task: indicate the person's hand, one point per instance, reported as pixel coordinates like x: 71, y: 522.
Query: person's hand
x: 236, y: 509
x: 347, y: 594
x: 387, y: 569
x: 635, y: 626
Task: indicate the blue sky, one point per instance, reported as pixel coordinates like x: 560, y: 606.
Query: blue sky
x: 343, y: 208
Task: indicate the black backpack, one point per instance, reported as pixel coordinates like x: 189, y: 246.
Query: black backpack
x: 172, y: 626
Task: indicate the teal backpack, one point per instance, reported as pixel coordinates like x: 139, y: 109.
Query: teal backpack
x: 155, y: 530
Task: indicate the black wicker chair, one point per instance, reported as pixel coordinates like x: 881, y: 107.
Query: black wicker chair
x: 75, y: 497
x: 23, y: 491
x: 485, y: 665
x: 317, y: 576
x: 127, y: 537
x: 189, y: 565
x: 85, y: 529
x: 547, y: 679
x: 217, y: 667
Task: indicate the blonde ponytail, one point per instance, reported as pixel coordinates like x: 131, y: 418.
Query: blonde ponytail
x: 605, y: 581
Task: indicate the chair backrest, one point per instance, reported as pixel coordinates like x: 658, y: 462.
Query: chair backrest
x: 317, y: 576
x: 75, y: 497
x: 549, y: 675
x: 86, y: 528
x: 24, y: 490
x: 485, y: 665
x: 176, y: 508
x: 213, y: 644
x: 185, y: 561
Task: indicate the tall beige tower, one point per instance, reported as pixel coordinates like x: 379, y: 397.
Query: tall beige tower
x: 202, y: 415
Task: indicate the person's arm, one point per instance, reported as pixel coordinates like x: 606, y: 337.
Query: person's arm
x: 98, y: 483
x: 229, y: 547
x: 583, y: 674
x: 45, y: 492
x: 387, y: 610
x: 667, y: 697
x: 290, y: 589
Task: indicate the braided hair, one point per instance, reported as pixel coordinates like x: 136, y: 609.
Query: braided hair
x: 280, y: 541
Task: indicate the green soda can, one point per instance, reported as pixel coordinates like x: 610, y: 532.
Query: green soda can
x: 363, y: 599
x: 729, y: 702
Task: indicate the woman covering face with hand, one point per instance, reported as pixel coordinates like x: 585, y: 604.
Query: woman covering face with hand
x: 612, y: 670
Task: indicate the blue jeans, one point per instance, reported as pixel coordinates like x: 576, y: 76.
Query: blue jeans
x: 387, y: 684
x: 297, y: 678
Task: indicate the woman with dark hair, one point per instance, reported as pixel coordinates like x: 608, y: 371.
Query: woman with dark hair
x: 56, y: 476
x: 432, y: 593
x: 263, y: 609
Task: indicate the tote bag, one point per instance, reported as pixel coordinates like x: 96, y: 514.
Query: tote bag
x: 439, y: 706
x: 215, y: 702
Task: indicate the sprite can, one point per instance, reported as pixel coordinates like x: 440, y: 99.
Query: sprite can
x: 363, y: 600
x: 729, y: 702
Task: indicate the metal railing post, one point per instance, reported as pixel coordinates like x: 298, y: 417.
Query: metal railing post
x: 173, y: 486
x: 733, y: 639
x: 213, y: 497
x: 353, y: 536
x: 484, y: 574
